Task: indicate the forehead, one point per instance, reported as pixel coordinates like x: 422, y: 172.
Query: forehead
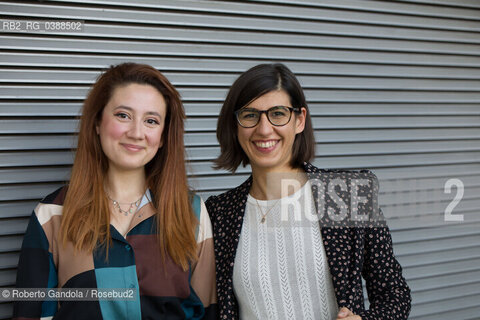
x: 270, y: 99
x: 141, y: 97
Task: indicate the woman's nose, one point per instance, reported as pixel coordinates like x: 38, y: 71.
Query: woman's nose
x: 136, y: 130
x: 264, y: 126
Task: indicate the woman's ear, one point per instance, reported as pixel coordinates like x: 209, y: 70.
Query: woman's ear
x: 300, y: 120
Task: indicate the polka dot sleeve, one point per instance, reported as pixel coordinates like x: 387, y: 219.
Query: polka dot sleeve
x: 387, y: 290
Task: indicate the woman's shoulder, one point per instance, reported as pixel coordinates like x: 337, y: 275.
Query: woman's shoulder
x: 310, y: 168
x: 57, y: 197
x: 50, y: 206
x: 234, y: 193
x: 343, y: 174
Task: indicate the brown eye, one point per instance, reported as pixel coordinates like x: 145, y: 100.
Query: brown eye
x: 247, y: 115
x: 122, y: 115
x: 152, y: 121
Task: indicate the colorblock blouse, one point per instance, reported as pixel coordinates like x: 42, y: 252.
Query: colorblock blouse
x: 161, y: 289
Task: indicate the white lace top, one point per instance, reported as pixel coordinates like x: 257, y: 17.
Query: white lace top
x: 281, y: 271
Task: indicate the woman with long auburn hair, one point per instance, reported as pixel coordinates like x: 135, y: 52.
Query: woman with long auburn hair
x: 126, y: 221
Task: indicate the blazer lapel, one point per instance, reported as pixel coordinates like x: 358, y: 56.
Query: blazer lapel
x: 235, y: 219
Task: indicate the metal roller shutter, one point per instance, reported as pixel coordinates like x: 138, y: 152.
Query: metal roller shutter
x: 393, y: 86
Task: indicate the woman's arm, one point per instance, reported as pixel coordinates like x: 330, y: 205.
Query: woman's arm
x: 387, y: 289
x: 203, y: 271
x: 36, y: 269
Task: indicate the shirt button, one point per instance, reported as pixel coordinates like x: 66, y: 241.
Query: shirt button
x: 127, y: 247
x: 132, y: 286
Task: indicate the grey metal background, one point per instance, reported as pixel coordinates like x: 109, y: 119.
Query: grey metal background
x: 393, y: 86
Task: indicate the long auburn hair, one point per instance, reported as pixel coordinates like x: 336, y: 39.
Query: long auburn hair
x: 86, y: 215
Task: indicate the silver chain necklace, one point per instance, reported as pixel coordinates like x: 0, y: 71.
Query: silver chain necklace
x: 132, y: 206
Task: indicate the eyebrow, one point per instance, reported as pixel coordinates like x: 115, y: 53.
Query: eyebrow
x: 251, y: 108
x: 153, y: 113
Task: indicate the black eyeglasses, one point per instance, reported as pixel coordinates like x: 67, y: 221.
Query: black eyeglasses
x: 277, y: 116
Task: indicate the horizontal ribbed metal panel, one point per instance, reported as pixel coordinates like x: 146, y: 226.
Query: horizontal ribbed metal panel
x: 393, y: 86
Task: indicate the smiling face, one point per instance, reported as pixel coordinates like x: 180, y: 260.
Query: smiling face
x: 269, y: 147
x: 131, y: 126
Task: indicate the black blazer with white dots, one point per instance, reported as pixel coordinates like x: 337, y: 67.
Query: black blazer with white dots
x: 354, y: 248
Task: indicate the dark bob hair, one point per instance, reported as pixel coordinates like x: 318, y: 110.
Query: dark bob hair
x: 252, y: 84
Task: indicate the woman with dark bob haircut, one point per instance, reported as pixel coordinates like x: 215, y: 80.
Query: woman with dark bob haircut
x: 126, y: 220
x: 294, y: 241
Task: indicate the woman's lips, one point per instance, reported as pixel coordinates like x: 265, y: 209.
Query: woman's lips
x: 265, y: 145
x: 132, y: 147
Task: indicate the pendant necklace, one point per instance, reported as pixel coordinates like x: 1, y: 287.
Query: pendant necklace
x: 264, y: 215
x: 132, y: 206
